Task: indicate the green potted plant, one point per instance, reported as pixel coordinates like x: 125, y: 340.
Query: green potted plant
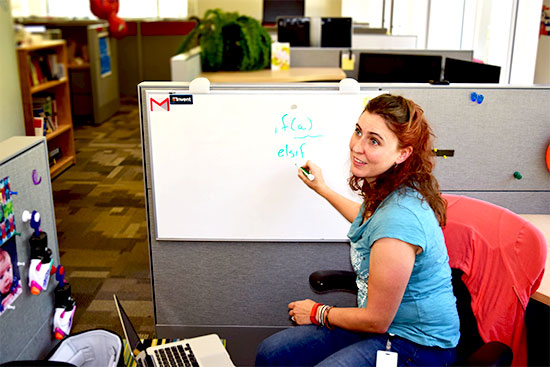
x: 229, y: 41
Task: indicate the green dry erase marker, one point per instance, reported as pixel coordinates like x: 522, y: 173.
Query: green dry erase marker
x: 308, y: 175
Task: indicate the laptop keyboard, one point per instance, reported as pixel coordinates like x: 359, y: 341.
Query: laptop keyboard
x: 176, y: 356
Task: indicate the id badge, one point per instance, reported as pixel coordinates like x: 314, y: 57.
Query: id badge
x: 385, y: 358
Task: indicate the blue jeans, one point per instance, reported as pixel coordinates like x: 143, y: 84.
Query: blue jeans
x: 310, y: 345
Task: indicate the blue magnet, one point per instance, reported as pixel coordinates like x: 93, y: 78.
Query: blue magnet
x: 35, y: 222
x: 479, y: 98
x: 473, y: 96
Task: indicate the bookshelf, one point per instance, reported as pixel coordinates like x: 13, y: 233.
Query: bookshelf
x: 43, y: 74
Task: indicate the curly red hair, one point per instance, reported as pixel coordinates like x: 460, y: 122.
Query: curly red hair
x: 407, y: 121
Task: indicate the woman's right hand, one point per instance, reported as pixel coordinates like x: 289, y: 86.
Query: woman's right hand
x: 318, y: 182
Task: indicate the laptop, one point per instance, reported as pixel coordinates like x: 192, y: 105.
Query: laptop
x: 202, y: 351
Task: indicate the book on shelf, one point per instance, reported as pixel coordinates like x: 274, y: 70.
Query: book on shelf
x: 54, y: 155
x: 38, y: 113
x: 45, y: 106
x: 38, y: 70
x: 45, y: 67
x: 47, y: 72
x: 33, y: 73
x: 58, y: 69
x: 39, y: 128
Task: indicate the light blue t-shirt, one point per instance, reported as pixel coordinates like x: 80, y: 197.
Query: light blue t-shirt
x: 427, y: 314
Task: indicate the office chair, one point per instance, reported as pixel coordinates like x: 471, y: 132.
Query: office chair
x: 497, y: 260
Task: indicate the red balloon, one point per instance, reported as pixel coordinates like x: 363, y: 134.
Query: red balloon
x: 104, y: 8
x: 117, y: 26
x: 107, y: 10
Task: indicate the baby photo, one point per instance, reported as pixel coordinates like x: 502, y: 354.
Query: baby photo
x: 10, y: 280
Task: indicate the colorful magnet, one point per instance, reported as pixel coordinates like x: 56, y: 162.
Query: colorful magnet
x: 7, y: 222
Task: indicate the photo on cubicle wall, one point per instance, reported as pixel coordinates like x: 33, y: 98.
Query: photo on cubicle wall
x: 10, y: 279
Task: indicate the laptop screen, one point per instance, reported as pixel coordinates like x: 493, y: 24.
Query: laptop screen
x: 131, y: 335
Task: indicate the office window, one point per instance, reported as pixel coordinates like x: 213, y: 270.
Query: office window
x: 25, y: 8
x: 70, y: 8
x: 81, y: 8
x: 409, y: 18
x: 138, y: 9
x: 364, y: 11
x: 172, y: 9
x: 446, y: 19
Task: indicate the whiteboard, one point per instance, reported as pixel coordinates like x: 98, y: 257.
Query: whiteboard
x: 223, y: 163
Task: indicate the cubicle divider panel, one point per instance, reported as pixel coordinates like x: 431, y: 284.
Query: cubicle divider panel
x: 239, y: 288
x: 27, y: 329
x: 104, y: 72
x: 504, y: 131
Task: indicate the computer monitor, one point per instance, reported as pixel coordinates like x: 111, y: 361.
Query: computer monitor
x: 294, y: 30
x: 278, y: 8
x: 336, y: 32
x: 460, y: 71
x: 398, y: 68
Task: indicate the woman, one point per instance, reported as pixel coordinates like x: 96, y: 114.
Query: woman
x: 397, y: 251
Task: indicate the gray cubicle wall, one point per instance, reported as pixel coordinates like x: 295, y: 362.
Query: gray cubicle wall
x: 331, y: 57
x: 240, y: 290
x: 105, y: 90
x: 26, y: 331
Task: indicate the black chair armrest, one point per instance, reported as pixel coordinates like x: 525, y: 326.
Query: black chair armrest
x: 489, y: 354
x: 333, y: 280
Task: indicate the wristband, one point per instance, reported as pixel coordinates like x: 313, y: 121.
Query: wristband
x: 313, y: 315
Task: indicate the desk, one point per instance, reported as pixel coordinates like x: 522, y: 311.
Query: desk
x: 542, y: 222
x: 276, y: 76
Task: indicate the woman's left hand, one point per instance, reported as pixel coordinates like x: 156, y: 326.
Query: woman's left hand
x: 301, y: 310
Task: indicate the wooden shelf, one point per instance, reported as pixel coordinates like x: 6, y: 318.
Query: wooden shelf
x: 62, y: 164
x: 48, y: 44
x: 47, y: 85
x: 34, y: 61
x: 84, y: 66
x: 60, y: 130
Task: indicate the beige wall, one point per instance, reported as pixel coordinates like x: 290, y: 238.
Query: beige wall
x: 11, y: 119
x: 323, y: 8
x: 254, y: 8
